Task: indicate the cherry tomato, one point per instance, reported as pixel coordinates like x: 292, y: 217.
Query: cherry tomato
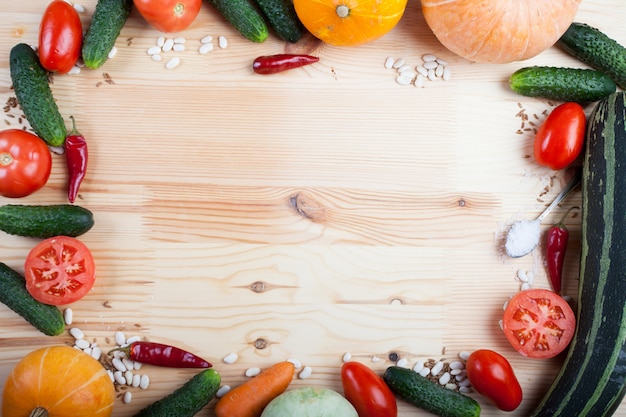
x: 560, y: 138
x: 538, y: 323
x: 25, y: 163
x: 59, y: 270
x: 60, y: 37
x: 492, y: 376
x: 367, y: 392
x: 169, y: 15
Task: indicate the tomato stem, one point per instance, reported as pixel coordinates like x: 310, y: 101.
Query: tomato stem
x: 179, y: 9
x: 342, y: 10
x: 6, y: 158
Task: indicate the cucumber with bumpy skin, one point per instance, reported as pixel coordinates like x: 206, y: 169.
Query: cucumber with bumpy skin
x: 592, y: 376
x: 13, y: 293
x: 282, y: 18
x: 562, y: 84
x: 428, y: 395
x: 594, y: 47
x: 45, y: 221
x: 106, y: 24
x: 187, y: 400
x: 30, y: 82
x: 244, y: 17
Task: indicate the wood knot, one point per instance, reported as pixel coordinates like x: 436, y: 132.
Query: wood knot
x: 258, y: 286
x: 305, y: 205
x: 261, y: 343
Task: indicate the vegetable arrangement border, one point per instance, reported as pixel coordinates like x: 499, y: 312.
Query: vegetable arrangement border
x: 30, y: 69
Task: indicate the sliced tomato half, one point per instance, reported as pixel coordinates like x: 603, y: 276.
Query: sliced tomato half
x: 59, y: 270
x: 538, y: 323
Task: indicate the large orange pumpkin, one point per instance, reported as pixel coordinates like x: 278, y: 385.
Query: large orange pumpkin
x: 499, y: 31
x: 349, y: 22
x: 58, y: 381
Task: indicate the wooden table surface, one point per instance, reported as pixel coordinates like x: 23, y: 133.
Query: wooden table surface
x: 302, y: 215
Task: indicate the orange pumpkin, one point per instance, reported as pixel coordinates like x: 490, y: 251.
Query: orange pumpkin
x: 349, y: 22
x: 58, y: 381
x: 499, y: 31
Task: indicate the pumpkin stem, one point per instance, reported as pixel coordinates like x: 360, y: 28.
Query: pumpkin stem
x: 342, y: 10
x: 39, y: 412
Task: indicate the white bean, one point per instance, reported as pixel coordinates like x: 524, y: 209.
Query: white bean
x: 79, y: 8
x: 389, y: 62
x: 424, y: 372
x: 128, y: 397
x: 77, y: 333
x: 429, y: 58
x: 418, y: 366
x: 172, y: 63
x: 296, y: 363
x: 132, y: 340
x: 153, y: 50
x: 206, y: 39
x: 136, y: 380
x: 346, y: 357
x: 144, y: 382
x: 119, y: 365
x: 112, y: 52
x: 205, y: 48
x: 68, y: 316
x: 119, y: 377
x: 398, y: 63
x: 120, y: 339
x: 222, y: 391
x: 375, y: 359
x: 430, y: 65
x: 156, y: 57
x: 402, y: 362
x: 437, y: 368
x: 230, y: 358
x: 222, y: 42
x: 82, y: 344
x: 447, y: 73
x: 444, y: 378
x: 129, y: 377
x: 168, y: 45
x: 179, y: 47
x: 254, y: 371
x: 305, y: 373
x: 457, y: 365
x: 160, y: 41
x: 179, y: 40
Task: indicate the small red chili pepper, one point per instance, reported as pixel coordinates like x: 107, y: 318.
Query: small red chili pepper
x: 76, y: 156
x: 159, y: 354
x: 271, y: 64
x: 556, y: 245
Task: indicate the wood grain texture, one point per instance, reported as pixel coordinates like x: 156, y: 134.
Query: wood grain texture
x: 306, y: 214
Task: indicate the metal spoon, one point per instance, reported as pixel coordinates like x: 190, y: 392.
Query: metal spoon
x: 523, y: 236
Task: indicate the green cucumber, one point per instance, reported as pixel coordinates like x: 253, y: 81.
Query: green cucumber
x: 428, y: 395
x: 282, y: 18
x: 187, y: 400
x: 562, y: 84
x: 593, y: 47
x: 244, y: 17
x: 13, y: 293
x: 592, y: 376
x: 45, y: 221
x: 30, y: 82
x: 107, y: 22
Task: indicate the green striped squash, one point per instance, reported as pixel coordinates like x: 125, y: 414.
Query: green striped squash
x: 591, y: 380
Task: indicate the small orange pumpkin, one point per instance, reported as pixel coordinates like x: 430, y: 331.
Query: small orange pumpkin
x: 349, y: 22
x: 58, y: 381
x: 499, y: 31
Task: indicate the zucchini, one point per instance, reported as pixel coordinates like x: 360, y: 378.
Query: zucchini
x: 562, y: 84
x: 187, y: 400
x: 592, y: 376
x: 593, y: 47
x: 45, y: 221
x: 244, y: 17
x: 282, y: 18
x: 13, y: 293
x: 428, y: 395
x: 30, y: 82
x: 107, y: 22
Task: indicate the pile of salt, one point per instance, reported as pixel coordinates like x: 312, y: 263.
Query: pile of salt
x: 522, y: 238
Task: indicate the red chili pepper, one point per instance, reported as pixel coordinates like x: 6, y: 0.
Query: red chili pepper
x: 159, y: 354
x: 556, y: 245
x: 76, y: 156
x: 271, y: 64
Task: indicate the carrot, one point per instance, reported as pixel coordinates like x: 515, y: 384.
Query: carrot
x: 250, y: 398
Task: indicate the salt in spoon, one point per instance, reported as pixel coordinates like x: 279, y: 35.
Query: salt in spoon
x: 524, y: 235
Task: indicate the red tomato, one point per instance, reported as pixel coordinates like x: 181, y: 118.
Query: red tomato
x: 59, y: 270
x: 60, y: 37
x: 169, y: 15
x: 560, y: 138
x: 492, y: 376
x: 25, y: 163
x: 367, y: 391
x: 538, y: 323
